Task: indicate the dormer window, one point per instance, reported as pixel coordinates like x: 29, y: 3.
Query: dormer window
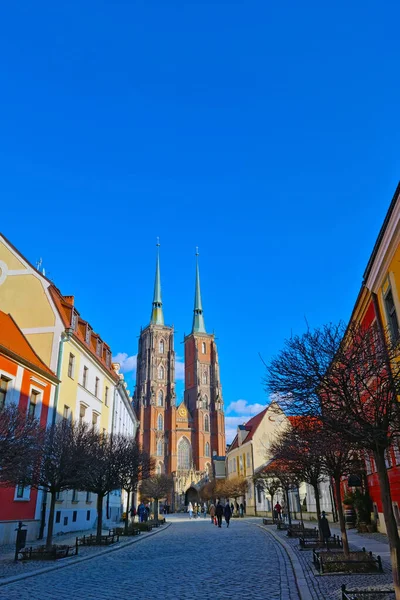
x: 74, y: 320
x: 87, y: 336
x: 108, y: 358
x: 98, y: 347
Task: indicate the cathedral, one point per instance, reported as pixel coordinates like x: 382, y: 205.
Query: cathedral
x: 182, y: 439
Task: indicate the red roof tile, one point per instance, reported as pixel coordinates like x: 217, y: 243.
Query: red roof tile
x: 12, y: 338
x: 251, y: 426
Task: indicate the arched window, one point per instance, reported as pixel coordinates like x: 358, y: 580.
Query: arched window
x: 205, y: 378
x: 160, y: 423
x: 203, y: 348
x: 206, y: 424
x: 160, y: 398
x: 184, y: 454
x: 159, y: 448
x: 160, y: 372
x: 206, y: 401
x: 207, y: 449
x: 161, y: 347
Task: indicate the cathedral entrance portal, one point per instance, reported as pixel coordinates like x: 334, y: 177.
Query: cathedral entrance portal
x: 192, y: 495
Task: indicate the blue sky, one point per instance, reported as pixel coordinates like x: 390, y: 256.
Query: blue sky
x: 265, y: 133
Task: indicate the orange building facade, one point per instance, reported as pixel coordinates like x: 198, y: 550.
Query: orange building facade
x: 27, y: 382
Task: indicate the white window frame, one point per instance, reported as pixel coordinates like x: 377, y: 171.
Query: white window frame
x: 71, y: 365
x: 38, y: 404
x: 26, y: 493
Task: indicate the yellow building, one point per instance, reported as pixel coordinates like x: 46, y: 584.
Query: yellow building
x: 90, y: 389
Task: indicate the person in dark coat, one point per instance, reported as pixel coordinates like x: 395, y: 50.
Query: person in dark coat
x: 227, y: 513
x: 324, y: 527
x: 219, y: 511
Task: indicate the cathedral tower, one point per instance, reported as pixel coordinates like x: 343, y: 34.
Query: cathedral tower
x: 154, y: 397
x: 203, y: 393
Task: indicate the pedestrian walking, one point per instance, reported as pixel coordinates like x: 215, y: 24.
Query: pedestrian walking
x: 198, y: 510
x: 278, y: 511
x: 190, y: 510
x: 219, y: 511
x: 237, y: 507
x: 141, y: 511
x: 212, y: 512
x: 227, y: 513
x: 241, y: 509
x: 205, y: 509
x: 325, y: 529
x: 133, y: 513
x: 244, y: 506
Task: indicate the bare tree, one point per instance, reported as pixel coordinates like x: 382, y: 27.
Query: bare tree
x: 269, y: 484
x: 281, y: 470
x: 106, y: 455
x: 60, y: 463
x: 207, y: 492
x: 350, y: 379
x: 156, y: 488
x: 137, y: 466
x: 20, y: 443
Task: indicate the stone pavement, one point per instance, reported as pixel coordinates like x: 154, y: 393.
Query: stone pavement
x: 189, y: 559
x: 328, y: 586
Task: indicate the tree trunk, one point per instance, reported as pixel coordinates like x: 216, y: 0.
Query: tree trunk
x: 288, y: 507
x: 100, y: 498
x: 390, y: 521
x: 301, y: 510
x: 128, y: 497
x: 318, y: 507
x: 342, y: 523
x: 50, y: 527
x: 156, y: 510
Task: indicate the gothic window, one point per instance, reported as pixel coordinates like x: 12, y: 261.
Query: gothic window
x: 161, y: 347
x: 203, y: 348
x: 206, y: 402
x: 184, y: 454
x: 159, y: 448
x: 160, y: 398
x: 207, y: 449
x: 205, y: 378
x: 160, y: 423
x: 160, y: 372
x: 206, y: 424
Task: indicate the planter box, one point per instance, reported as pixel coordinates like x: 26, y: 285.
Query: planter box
x: 334, y: 543
x: 56, y: 552
x: 367, y: 594
x: 359, y: 562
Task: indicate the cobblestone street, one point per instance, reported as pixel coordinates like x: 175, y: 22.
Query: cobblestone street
x: 187, y: 559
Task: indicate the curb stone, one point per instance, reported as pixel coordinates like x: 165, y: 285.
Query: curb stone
x: 302, y: 585
x: 73, y: 562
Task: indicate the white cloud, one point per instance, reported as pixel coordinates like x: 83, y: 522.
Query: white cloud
x: 179, y: 369
x: 128, y: 363
x: 243, y: 407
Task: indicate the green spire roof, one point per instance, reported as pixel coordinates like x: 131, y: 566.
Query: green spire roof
x: 198, y: 318
x: 157, y: 316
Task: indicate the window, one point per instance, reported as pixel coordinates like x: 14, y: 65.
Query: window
x: 66, y: 412
x: 71, y: 365
x: 161, y: 347
x: 33, y: 402
x: 160, y: 372
x: 106, y: 397
x: 207, y: 449
x: 184, y: 454
x: 206, y: 423
x: 159, y: 448
x: 160, y: 398
x: 206, y: 402
x: 74, y: 495
x: 391, y: 316
x: 396, y: 451
x: 88, y: 515
x: 388, y: 458
x: 20, y: 490
x: 98, y: 347
x: 234, y: 465
x: 108, y: 358
x: 203, y: 348
x: 73, y: 320
x: 3, y: 390
x: 65, y: 521
x: 59, y: 496
x: 160, y: 423
x: 259, y: 500
x: 85, y: 376
x: 87, y: 336
x: 248, y: 459
x: 96, y: 387
x: 95, y: 418
x: 88, y: 497
x: 241, y: 463
x: 74, y: 515
x: 205, y: 378
x: 82, y: 412
x: 58, y: 516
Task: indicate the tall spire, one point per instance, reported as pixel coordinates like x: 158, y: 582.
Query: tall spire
x: 157, y: 316
x: 198, y: 318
